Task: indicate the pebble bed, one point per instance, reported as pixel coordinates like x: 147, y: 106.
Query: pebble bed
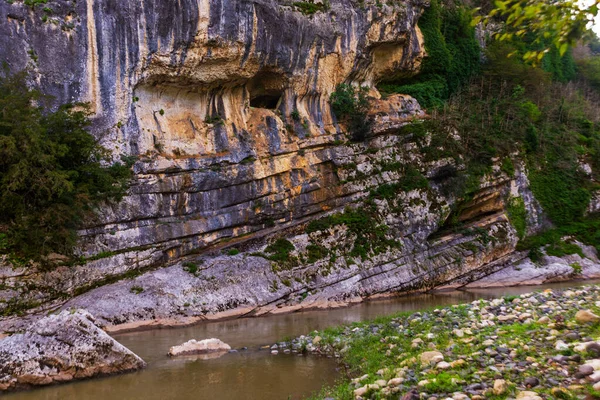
x: 542, y: 345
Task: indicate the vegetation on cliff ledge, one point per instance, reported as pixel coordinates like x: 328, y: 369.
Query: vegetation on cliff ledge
x: 541, y: 119
x: 53, y: 173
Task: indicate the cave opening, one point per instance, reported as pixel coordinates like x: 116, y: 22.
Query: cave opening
x: 269, y: 101
x: 266, y: 90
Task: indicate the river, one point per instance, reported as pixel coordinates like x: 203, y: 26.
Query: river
x: 250, y: 374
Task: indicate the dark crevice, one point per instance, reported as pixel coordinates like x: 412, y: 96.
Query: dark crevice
x: 265, y: 101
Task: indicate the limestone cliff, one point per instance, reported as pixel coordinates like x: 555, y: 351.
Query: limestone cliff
x: 225, y: 105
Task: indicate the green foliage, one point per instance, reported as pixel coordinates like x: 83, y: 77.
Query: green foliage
x: 555, y: 26
x: 515, y: 108
x: 518, y: 215
x: 509, y: 298
x: 280, y: 250
x: 453, y: 56
x: 53, y: 173
x: 4, y: 243
x: 233, y: 252
x: 351, y: 106
x: 321, y: 224
x: 561, y: 191
x: 101, y: 255
x: 563, y: 248
x: 310, y: 8
x: 369, y: 235
x: 508, y: 167
x: 412, y: 179
x: 33, y: 3
x: 136, y: 289
x: 586, y: 231
x: 216, y: 120
x: 386, y: 191
x: 562, y: 67
x: 316, y: 252
x: 295, y: 115
x: 190, y: 267
x: 443, y: 382
x: 589, y: 70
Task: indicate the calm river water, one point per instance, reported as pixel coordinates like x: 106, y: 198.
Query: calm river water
x: 251, y: 374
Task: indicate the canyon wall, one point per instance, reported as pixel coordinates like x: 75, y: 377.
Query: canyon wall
x: 225, y: 106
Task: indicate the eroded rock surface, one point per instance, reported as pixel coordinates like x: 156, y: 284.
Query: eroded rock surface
x: 60, y: 348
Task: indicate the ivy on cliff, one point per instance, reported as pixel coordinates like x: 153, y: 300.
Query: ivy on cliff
x: 53, y: 173
x: 453, y: 56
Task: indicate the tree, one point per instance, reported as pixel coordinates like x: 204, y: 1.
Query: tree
x: 559, y: 23
x: 53, y: 173
x: 351, y: 106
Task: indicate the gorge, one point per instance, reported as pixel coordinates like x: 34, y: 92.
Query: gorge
x: 249, y: 196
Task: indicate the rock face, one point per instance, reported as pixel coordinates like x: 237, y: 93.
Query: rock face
x: 60, y: 348
x: 225, y: 106
x: 205, y: 346
x: 223, y: 102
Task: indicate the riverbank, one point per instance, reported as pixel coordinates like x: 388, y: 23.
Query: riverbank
x: 532, y: 346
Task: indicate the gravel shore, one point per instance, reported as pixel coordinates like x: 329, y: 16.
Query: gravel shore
x: 535, y: 346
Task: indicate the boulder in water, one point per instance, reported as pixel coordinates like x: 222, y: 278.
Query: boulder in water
x: 206, y: 346
x: 60, y: 348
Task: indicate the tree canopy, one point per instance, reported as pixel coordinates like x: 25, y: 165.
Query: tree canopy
x: 558, y: 23
x: 53, y: 173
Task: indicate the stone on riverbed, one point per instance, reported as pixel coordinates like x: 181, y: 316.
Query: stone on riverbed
x: 431, y: 357
x: 586, y: 317
x: 61, y: 348
x: 206, y: 346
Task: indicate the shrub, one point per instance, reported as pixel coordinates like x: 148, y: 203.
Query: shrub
x: 136, y: 289
x: 508, y: 167
x: 190, y: 267
x: 577, y: 268
x: 316, y: 252
x: 453, y: 56
x: 295, y: 115
x: 351, y: 107
x: 280, y: 250
x: 369, y: 234
x: 561, y: 192
x: 310, y: 8
x: 53, y: 173
x: 517, y: 215
x: 412, y: 179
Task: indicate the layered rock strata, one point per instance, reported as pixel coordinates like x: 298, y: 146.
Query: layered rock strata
x: 224, y: 105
